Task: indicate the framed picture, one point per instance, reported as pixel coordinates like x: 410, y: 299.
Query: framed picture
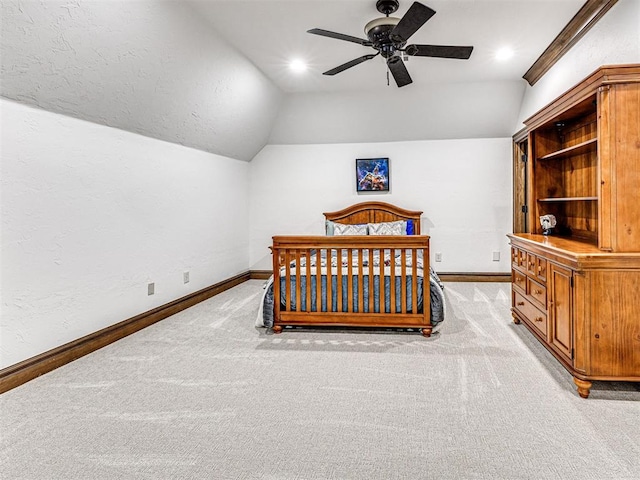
x: 372, y: 174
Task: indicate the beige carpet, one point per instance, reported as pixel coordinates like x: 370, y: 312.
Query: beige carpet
x: 205, y: 395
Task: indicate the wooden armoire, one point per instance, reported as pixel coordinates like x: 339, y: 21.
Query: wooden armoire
x: 577, y: 289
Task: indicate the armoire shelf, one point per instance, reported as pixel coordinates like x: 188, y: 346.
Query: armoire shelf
x: 568, y: 199
x: 579, y: 149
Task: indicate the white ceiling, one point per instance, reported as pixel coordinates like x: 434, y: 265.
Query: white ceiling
x: 272, y: 32
x: 210, y: 74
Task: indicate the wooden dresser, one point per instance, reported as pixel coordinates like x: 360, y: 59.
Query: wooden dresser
x: 578, y: 289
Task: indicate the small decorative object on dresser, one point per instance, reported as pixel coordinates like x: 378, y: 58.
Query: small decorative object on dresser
x: 547, y: 222
x: 577, y: 291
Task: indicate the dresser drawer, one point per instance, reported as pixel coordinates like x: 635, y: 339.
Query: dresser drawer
x: 535, y: 266
x: 518, y: 259
x: 541, y: 269
x: 537, y: 292
x: 532, y: 314
x: 519, y: 281
x: 522, y: 259
x: 531, y: 264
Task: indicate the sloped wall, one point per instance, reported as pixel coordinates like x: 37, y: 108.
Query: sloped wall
x: 150, y: 67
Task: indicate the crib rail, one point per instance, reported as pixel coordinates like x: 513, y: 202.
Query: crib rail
x: 307, y: 278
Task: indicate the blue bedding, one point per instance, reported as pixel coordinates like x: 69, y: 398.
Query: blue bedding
x: 436, y: 295
x: 356, y: 291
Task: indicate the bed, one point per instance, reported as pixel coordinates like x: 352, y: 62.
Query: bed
x: 368, y: 271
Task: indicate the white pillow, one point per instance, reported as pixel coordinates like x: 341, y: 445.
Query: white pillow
x: 387, y: 228
x: 343, y: 229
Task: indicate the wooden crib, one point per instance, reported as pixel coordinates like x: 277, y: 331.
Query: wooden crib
x: 362, y: 288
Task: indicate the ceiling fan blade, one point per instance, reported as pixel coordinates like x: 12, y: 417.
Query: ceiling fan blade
x: 416, y: 16
x: 350, y: 64
x: 340, y: 36
x: 399, y: 71
x: 442, y: 51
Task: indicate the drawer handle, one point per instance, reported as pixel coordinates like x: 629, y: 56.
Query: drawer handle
x: 537, y: 292
x: 520, y: 304
x: 538, y: 319
x: 519, y: 280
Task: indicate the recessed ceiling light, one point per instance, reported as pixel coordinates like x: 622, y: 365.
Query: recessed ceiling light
x: 503, y: 54
x: 298, y: 66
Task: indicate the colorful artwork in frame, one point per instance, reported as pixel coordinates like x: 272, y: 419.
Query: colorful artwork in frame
x: 372, y: 174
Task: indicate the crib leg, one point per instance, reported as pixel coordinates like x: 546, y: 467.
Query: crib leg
x: 277, y: 329
x: 426, y: 331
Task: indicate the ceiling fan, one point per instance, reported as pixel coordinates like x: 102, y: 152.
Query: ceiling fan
x: 389, y: 35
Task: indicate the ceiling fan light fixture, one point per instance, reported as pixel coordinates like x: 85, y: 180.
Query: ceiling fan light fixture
x: 382, y: 21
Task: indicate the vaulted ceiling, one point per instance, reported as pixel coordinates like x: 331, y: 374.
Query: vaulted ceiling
x: 271, y: 33
x: 213, y: 74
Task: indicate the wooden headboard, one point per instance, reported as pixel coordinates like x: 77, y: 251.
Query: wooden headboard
x: 374, y: 212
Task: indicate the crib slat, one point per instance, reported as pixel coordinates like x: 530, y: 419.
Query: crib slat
x: 339, y: 298
x: 403, y: 280
x: 298, y: 302
x: 307, y: 303
x: 318, y: 281
x: 360, y: 283
x: 414, y: 281
x: 350, y: 280
x: 392, y: 283
x: 287, y: 277
x: 329, y: 280
x: 381, y: 277
x: 371, y: 280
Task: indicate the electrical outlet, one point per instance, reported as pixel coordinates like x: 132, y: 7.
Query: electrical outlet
x: 151, y: 289
x: 185, y: 277
x: 438, y: 257
x: 496, y: 256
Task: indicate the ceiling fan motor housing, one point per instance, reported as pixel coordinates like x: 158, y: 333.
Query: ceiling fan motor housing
x: 378, y: 32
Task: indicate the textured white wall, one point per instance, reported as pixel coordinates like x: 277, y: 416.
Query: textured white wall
x: 614, y: 40
x: 455, y: 110
x: 150, y: 67
x: 463, y: 187
x: 91, y: 214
